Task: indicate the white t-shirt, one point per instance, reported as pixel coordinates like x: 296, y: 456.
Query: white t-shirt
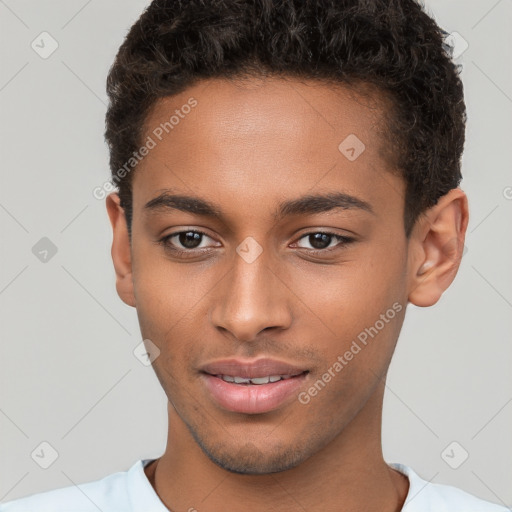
x: 131, y: 491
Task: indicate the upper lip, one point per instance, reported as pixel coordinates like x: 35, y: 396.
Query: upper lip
x: 251, y: 369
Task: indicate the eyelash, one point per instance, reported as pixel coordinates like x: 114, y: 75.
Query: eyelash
x: 344, y: 241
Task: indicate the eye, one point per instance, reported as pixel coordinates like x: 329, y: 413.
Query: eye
x: 185, y: 241
x: 323, y: 242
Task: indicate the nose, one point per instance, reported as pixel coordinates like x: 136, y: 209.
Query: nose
x: 250, y: 298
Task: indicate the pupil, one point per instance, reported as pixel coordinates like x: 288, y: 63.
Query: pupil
x: 190, y: 239
x: 320, y: 240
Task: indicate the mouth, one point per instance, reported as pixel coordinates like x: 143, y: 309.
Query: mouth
x: 252, y: 387
x: 258, y: 381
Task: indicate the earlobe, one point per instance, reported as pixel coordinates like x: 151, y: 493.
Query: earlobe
x: 121, y: 250
x: 436, y: 245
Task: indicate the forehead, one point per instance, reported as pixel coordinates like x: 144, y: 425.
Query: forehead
x: 266, y: 138
x: 264, y: 107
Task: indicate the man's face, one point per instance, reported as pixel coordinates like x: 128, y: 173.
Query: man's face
x: 264, y: 284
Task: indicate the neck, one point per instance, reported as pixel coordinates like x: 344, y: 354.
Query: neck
x: 348, y: 474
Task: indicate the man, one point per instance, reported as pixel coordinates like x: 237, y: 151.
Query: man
x: 287, y: 180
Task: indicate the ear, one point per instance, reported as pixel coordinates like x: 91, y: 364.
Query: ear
x: 121, y: 250
x: 435, y: 248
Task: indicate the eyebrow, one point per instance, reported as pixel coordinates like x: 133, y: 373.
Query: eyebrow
x: 305, y: 205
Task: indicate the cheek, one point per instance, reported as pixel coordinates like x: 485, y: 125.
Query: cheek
x: 354, y: 311
x: 343, y: 300
x: 170, y: 298
x: 167, y: 292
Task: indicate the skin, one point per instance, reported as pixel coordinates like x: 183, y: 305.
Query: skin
x: 246, y: 147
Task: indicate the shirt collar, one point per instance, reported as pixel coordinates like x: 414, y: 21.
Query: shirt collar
x: 143, y: 496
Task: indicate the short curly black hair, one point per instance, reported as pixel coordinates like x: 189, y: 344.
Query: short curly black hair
x: 394, y: 45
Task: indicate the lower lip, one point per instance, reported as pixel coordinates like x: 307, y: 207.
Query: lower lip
x: 252, y: 398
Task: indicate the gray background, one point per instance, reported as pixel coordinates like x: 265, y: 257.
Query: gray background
x: 68, y: 375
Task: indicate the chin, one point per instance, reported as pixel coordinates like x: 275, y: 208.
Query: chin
x: 248, y: 459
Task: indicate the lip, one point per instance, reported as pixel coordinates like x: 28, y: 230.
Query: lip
x: 251, y: 369
x: 252, y: 398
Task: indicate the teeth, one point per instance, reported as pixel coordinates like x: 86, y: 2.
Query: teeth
x: 260, y: 380
x: 255, y: 380
x: 241, y: 380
